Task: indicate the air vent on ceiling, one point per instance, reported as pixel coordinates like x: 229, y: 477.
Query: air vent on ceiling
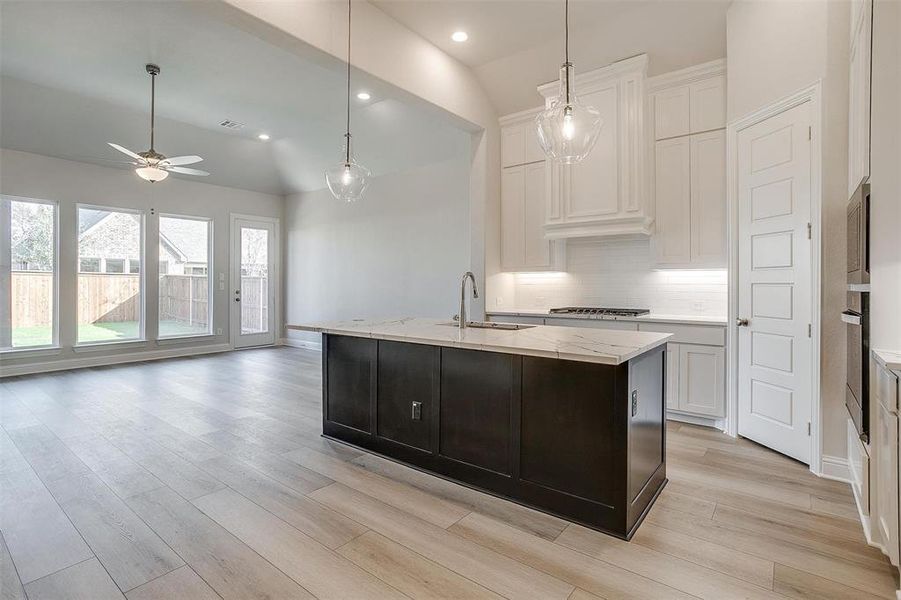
x: 229, y: 124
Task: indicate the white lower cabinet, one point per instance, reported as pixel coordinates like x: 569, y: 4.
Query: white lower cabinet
x: 885, y: 456
x: 695, y: 379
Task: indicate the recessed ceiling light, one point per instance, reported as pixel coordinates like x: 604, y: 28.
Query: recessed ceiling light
x: 263, y: 136
x: 364, y: 96
x: 460, y: 36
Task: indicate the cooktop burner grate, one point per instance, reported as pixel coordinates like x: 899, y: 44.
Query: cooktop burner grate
x: 593, y: 311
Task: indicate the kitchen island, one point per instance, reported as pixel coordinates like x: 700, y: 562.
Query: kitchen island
x: 566, y: 420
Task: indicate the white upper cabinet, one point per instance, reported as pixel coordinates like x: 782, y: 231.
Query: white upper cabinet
x: 519, y: 141
x: 708, y: 198
x: 689, y: 183
x: 605, y: 193
x: 708, y: 104
x: 524, y: 199
x: 672, y: 183
x: 859, y: 97
x: 672, y: 113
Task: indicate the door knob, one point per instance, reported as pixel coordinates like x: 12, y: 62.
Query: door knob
x: 741, y: 322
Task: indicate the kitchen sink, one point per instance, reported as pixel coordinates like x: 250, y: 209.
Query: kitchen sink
x: 491, y: 325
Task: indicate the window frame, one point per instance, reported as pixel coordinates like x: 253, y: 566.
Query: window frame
x: 142, y: 276
x: 210, y: 289
x: 54, y: 316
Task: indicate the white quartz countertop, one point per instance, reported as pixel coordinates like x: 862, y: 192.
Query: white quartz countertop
x: 602, y: 346
x: 890, y: 360
x: 649, y: 318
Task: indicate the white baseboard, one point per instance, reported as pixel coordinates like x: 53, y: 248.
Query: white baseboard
x: 695, y: 420
x: 835, y: 467
x: 99, y: 361
x: 317, y: 346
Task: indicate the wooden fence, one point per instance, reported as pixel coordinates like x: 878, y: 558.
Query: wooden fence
x: 113, y: 297
x: 185, y: 298
x: 254, y: 304
x: 32, y: 299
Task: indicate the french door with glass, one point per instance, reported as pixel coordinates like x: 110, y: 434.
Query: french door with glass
x: 253, y: 279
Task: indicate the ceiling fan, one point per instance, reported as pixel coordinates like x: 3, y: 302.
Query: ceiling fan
x: 153, y: 166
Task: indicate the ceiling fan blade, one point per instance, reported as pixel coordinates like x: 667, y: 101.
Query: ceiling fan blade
x: 134, y: 155
x: 186, y: 171
x: 181, y: 160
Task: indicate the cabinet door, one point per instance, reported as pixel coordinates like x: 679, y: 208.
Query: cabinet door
x: 592, y: 187
x: 672, y: 184
x: 512, y: 146
x: 886, y: 457
x: 859, y: 97
x: 350, y: 366
x: 708, y: 198
x: 513, y: 198
x: 707, y: 100
x: 475, y: 421
x: 407, y: 386
x: 671, y: 113
x: 702, y: 373
x: 672, y: 376
x: 536, y: 249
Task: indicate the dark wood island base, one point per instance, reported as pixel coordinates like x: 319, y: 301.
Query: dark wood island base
x: 580, y: 440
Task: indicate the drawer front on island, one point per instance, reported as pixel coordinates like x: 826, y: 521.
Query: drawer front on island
x: 580, y: 440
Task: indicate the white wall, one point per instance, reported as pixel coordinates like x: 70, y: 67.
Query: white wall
x: 619, y: 273
x: 69, y: 183
x: 400, y: 251
x: 885, y: 178
x: 386, y: 49
x: 775, y: 48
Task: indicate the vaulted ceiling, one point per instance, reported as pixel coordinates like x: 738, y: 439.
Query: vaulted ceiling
x: 74, y: 79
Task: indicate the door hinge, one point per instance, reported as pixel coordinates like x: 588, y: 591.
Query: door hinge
x: 809, y: 330
x: 809, y: 133
x: 808, y: 427
x: 809, y: 231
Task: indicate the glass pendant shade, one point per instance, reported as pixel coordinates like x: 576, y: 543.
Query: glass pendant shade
x: 568, y: 129
x: 151, y: 174
x: 347, y: 180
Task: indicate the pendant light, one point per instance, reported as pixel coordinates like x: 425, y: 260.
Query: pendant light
x: 348, y: 179
x: 568, y: 129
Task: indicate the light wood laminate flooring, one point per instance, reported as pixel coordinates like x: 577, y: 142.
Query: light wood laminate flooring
x: 207, y: 477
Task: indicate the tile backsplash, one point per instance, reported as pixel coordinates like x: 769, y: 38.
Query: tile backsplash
x: 622, y: 273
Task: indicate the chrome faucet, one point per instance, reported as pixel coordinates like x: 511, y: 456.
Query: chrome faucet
x: 475, y: 294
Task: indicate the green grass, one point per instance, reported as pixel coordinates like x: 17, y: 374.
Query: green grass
x: 23, y: 337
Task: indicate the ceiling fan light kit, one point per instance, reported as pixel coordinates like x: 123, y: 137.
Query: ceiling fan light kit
x: 151, y: 165
x: 567, y: 129
x: 348, y: 179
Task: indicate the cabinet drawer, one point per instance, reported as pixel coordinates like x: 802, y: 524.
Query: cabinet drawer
x: 595, y: 323
x: 709, y: 335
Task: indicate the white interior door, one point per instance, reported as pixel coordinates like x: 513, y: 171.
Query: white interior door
x: 253, y: 281
x: 774, y: 282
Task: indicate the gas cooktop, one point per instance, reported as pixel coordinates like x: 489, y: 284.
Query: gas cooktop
x: 593, y: 311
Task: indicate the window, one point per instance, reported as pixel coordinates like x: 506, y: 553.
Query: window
x: 185, y: 298
x: 134, y: 265
x: 115, y: 265
x: 89, y: 265
x: 28, y: 246
x: 110, y: 304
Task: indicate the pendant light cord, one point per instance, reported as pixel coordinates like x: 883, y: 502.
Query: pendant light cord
x: 566, y: 64
x: 152, y: 106
x: 347, y: 133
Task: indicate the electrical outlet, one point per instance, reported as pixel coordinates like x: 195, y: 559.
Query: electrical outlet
x: 218, y: 331
x: 498, y: 301
x: 698, y: 306
x: 221, y: 285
